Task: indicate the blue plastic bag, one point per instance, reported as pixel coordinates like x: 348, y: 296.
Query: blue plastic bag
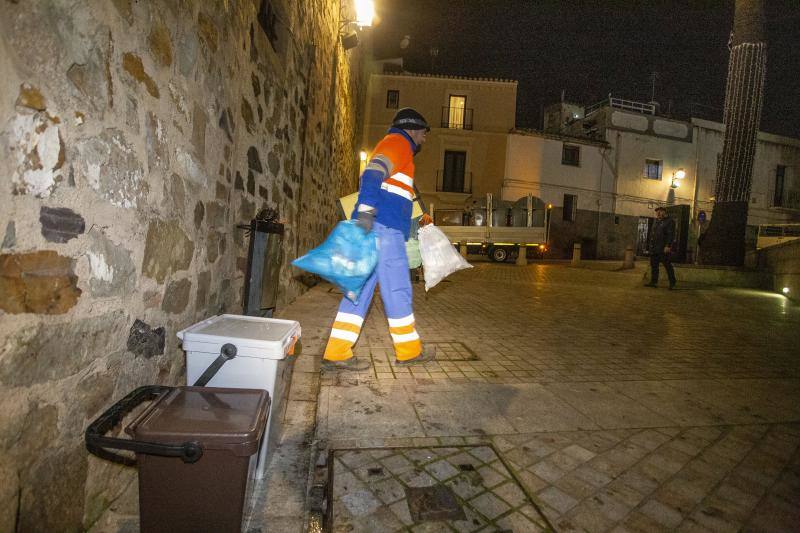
x: 347, y: 258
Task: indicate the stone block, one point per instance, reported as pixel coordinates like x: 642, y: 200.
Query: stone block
x: 31, y: 97
x: 199, y: 213
x: 133, y: 65
x: 60, y: 224
x: 124, y: 9
x: 144, y: 340
x: 187, y: 52
x: 253, y: 160
x: 112, y: 168
x: 160, y: 44
x: 112, y: 270
x: 38, y: 282
x: 52, y: 492
x: 207, y: 31
x: 10, y: 237
x: 92, y: 77
x: 274, y: 163
x: 217, y: 215
x: 35, y: 154
x: 176, y: 297
x: 247, y: 116
x: 43, y: 352
x: 226, y: 124
x: 167, y: 250
x: 251, y: 182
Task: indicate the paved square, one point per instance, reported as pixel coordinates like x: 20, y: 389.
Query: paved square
x: 614, y: 405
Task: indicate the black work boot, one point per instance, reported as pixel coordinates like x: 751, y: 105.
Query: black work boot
x: 428, y: 354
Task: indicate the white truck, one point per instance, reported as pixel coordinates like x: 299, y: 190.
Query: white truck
x: 486, y: 236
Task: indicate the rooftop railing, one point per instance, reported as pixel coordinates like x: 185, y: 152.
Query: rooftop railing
x: 620, y: 103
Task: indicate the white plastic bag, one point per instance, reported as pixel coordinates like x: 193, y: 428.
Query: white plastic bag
x: 439, y: 257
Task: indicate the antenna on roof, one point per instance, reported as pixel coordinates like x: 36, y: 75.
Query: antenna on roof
x: 653, y: 77
x: 434, y: 52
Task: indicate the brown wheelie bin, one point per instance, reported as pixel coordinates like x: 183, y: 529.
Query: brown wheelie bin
x: 196, y: 450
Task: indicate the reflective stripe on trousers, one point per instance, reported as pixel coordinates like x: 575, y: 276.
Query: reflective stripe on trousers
x: 395, y: 285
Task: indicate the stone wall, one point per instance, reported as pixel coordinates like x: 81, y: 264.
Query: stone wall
x: 134, y: 136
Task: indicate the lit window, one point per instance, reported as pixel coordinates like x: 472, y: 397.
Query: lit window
x: 458, y: 105
x: 571, y: 155
x: 652, y: 169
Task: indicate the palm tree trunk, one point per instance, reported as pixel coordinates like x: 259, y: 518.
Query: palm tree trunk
x: 724, y: 241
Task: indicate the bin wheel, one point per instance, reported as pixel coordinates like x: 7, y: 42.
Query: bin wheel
x: 498, y: 254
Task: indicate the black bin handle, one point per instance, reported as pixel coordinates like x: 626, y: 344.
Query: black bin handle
x: 100, y: 445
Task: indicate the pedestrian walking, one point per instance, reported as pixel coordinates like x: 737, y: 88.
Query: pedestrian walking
x: 662, y: 235
x: 384, y: 206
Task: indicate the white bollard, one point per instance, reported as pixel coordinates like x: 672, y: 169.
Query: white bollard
x: 627, y: 262
x: 522, y: 258
x: 576, y: 254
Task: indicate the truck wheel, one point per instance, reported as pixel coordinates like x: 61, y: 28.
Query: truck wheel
x: 499, y: 255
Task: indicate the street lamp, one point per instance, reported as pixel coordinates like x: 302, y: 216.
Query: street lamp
x: 677, y: 177
x: 365, y: 12
x: 349, y: 27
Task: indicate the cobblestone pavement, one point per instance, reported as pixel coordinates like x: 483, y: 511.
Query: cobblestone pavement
x: 617, y: 407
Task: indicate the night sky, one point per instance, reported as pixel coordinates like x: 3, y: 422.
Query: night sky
x: 590, y: 49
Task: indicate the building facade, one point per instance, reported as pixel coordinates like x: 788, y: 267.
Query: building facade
x: 606, y: 171
x: 603, y: 168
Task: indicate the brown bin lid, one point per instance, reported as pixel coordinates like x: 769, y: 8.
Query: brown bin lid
x: 217, y: 418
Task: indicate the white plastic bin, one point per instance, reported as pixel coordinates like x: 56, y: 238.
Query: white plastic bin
x: 261, y: 362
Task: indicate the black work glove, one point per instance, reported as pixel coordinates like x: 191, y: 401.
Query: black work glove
x: 365, y: 220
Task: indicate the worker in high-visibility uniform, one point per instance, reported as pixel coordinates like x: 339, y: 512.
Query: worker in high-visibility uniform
x: 384, y: 206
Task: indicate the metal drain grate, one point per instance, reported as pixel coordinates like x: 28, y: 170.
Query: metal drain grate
x: 462, y: 488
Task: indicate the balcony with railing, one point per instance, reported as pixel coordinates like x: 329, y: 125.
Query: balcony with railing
x: 455, y: 183
x: 457, y: 118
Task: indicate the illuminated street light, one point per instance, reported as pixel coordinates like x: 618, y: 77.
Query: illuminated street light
x: 362, y: 155
x: 677, y: 177
x: 786, y: 290
x: 365, y: 12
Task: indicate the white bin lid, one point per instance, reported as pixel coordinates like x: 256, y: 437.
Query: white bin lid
x: 267, y: 338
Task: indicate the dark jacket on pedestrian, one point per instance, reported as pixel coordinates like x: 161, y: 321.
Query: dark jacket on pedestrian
x: 661, y: 234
